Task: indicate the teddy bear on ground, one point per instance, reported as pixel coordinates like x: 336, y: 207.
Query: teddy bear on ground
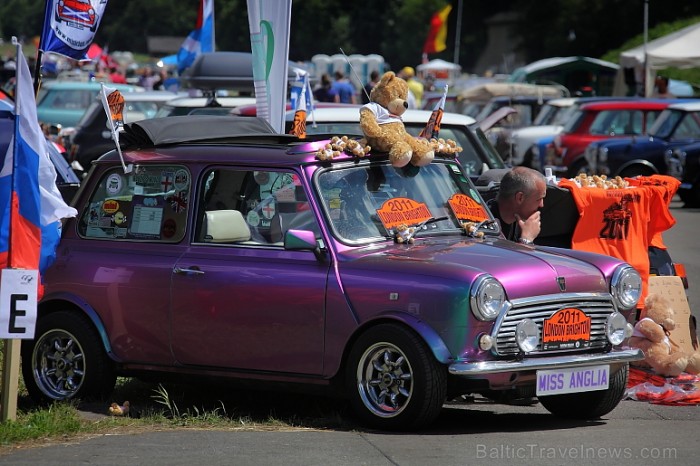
x: 383, y: 128
x: 651, y: 336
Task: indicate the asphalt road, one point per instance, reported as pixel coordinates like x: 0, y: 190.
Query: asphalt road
x: 474, y: 432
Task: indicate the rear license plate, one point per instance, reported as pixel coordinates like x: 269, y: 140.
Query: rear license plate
x: 574, y: 380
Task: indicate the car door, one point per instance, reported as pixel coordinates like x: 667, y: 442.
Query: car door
x: 244, y: 302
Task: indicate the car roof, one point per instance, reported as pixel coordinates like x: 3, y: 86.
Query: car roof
x: 562, y: 102
x: 92, y: 85
x: 692, y: 106
x: 199, y: 102
x: 150, y: 96
x: 351, y: 113
x: 170, y: 138
x: 641, y: 104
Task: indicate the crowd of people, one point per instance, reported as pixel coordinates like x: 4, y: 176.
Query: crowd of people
x: 339, y: 89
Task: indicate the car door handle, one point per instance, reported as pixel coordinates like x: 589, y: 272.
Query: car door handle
x: 194, y: 270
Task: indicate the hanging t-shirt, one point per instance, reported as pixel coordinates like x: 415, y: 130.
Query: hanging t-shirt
x: 620, y: 223
x: 668, y: 185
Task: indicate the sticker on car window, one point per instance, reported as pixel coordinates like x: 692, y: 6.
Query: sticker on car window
x: 114, y: 184
x: 178, y: 201
x: 146, y: 217
x: 182, y: 179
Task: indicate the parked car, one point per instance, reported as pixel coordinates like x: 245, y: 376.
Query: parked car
x: 689, y: 190
x: 677, y: 126
x: 549, y: 121
x: 64, y: 102
x: 67, y: 181
x: 596, y: 121
x: 477, y: 155
x: 230, y: 251
x: 527, y: 108
x: 92, y: 137
x: 186, y: 105
x: 474, y: 99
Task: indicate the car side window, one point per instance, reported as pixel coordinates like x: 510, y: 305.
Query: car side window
x: 148, y: 204
x: 252, y: 207
x: 689, y: 127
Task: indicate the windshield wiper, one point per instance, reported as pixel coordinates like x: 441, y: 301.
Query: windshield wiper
x: 474, y: 229
x: 405, y: 234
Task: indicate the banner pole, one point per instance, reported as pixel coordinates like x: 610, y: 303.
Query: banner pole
x: 10, y: 380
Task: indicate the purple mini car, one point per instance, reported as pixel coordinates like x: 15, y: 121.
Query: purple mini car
x: 227, y: 250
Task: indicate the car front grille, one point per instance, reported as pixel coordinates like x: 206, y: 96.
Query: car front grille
x: 598, y: 307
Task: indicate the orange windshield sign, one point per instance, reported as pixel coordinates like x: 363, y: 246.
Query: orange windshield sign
x: 567, y: 329
x: 467, y: 209
x: 403, y: 211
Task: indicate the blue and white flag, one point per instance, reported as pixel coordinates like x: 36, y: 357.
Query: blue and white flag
x: 201, y: 40
x: 70, y: 26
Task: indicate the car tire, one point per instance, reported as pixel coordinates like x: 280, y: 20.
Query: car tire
x: 636, y: 170
x: 393, y: 379
x: 691, y: 197
x: 589, y: 405
x: 66, y: 360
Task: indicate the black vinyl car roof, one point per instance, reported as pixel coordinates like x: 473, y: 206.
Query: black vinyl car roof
x: 198, y: 128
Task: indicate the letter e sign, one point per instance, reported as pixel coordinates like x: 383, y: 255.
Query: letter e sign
x: 18, y: 300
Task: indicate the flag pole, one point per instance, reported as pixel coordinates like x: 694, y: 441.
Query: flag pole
x: 458, y: 31
x: 12, y: 347
x: 354, y: 73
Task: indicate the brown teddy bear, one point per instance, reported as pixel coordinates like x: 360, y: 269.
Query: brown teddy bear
x: 382, y: 126
x: 651, y: 336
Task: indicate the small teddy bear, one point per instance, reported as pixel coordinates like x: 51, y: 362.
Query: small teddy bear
x: 404, y: 234
x: 117, y: 410
x: 651, y: 336
x: 338, y: 145
x: 383, y: 128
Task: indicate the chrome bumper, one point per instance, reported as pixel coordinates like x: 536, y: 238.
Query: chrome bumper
x: 553, y: 362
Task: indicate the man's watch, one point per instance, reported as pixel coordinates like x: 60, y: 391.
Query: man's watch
x: 525, y: 241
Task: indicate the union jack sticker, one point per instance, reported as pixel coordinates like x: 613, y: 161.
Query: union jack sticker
x: 178, y: 202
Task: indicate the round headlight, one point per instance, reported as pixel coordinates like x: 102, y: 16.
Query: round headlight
x: 626, y: 287
x: 616, y: 328
x: 527, y: 335
x: 487, y: 298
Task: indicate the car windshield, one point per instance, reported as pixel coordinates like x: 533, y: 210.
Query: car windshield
x: 370, y: 202
x: 547, y: 114
x: 574, y: 121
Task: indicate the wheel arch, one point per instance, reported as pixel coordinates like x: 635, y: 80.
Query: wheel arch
x: 636, y: 163
x: 68, y: 302
x: 431, y: 338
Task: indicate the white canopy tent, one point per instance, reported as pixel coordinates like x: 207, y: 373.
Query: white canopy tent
x: 678, y: 49
x: 439, y: 69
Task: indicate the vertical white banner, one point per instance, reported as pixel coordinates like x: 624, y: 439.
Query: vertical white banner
x: 269, y: 22
x: 18, y: 300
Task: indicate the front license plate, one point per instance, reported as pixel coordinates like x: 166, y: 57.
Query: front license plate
x: 568, y: 328
x: 574, y: 380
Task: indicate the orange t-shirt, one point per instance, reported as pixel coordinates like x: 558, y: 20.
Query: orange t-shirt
x: 620, y: 223
x: 669, y: 186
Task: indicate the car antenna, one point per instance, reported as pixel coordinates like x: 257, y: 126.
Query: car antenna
x: 354, y: 73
